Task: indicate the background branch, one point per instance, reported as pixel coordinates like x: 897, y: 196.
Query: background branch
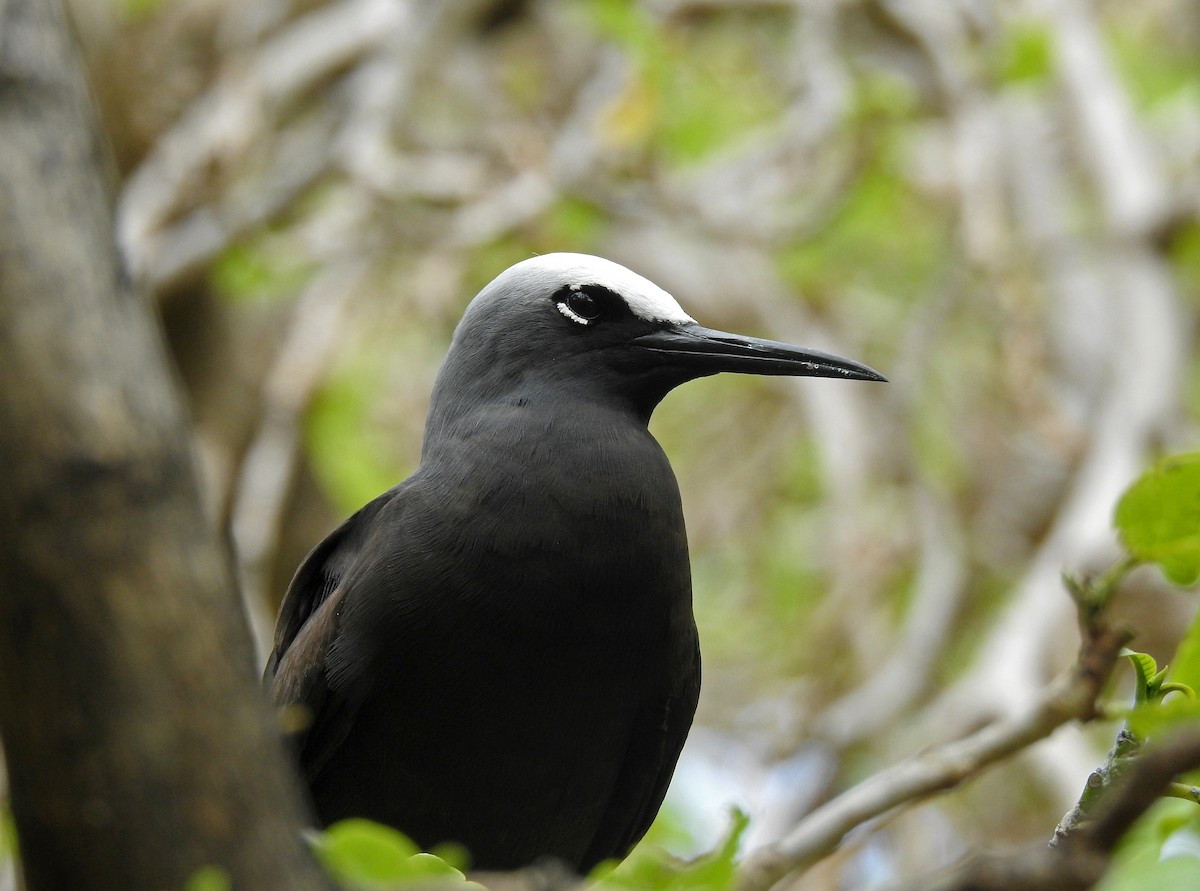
x: 1072, y: 697
x: 995, y: 203
x: 1082, y: 858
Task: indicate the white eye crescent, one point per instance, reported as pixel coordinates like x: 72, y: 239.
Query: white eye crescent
x: 580, y: 306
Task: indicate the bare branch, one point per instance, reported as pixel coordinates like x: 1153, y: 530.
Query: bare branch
x: 1123, y: 167
x: 250, y: 91
x: 1082, y: 858
x: 1098, y: 782
x: 1071, y: 697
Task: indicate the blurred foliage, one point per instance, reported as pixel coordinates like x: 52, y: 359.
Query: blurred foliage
x: 915, y: 185
x: 1158, y: 714
x: 695, y: 89
x: 1155, y: 519
x: 210, y: 878
x: 1159, y: 518
x: 361, y: 854
x: 1186, y: 667
x: 1185, y: 257
x: 883, y: 237
x: 1026, y: 53
x: 138, y: 9
x: 352, y: 456
x: 1157, y: 68
x: 715, y: 871
x: 1142, y: 860
x: 263, y: 270
x: 8, y: 841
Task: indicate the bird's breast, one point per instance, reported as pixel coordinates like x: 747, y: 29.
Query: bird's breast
x: 571, y: 520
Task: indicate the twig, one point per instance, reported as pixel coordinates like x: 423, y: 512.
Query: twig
x: 1091, y: 596
x: 186, y: 245
x: 1144, y: 784
x: 1071, y: 697
x: 1098, y: 782
x: 1126, y: 407
x: 252, y: 88
x: 1181, y: 790
x: 1082, y: 858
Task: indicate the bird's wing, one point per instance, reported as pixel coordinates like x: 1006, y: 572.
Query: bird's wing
x: 319, y: 576
x: 307, y: 626
x: 661, y: 728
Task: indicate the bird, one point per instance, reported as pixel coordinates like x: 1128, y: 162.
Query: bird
x: 500, y: 652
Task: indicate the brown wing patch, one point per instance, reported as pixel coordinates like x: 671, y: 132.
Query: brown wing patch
x: 293, y: 680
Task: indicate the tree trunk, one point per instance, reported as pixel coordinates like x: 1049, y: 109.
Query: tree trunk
x: 139, y: 748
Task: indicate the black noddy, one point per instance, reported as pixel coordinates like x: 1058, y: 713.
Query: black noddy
x: 500, y: 651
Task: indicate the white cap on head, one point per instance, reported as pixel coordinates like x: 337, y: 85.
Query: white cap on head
x: 644, y: 298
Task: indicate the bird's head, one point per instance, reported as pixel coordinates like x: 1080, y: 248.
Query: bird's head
x: 581, y: 326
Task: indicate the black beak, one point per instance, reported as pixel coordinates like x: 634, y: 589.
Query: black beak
x: 705, y: 351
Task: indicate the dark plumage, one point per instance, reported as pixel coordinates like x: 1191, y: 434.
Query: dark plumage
x: 500, y: 651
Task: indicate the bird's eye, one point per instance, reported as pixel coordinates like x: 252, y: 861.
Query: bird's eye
x: 580, y: 306
x: 584, y: 305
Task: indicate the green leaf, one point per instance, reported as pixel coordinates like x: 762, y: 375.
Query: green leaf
x: 1174, y: 874
x: 452, y: 855
x: 717, y: 871
x: 365, y: 853
x: 712, y: 872
x: 1155, y: 719
x: 1146, y: 670
x: 209, y: 878
x: 1142, y: 861
x: 1151, y: 715
x: 424, y: 864
x: 1186, y: 667
x: 1158, y: 518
